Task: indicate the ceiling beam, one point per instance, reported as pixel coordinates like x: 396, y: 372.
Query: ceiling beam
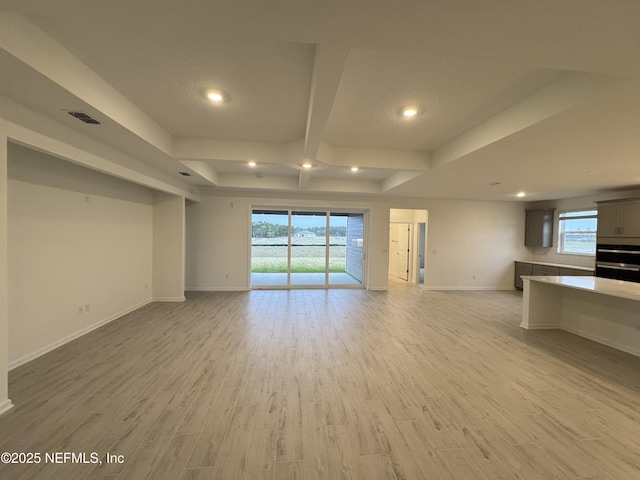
x: 303, y: 179
x: 328, y: 66
x: 567, y: 92
x: 380, y: 158
x: 345, y: 186
x: 28, y: 43
x: 203, y: 170
x: 231, y: 150
x: 255, y: 183
x: 398, y: 179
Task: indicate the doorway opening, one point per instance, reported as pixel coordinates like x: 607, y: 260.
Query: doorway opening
x: 407, y: 244
x: 307, y: 248
x: 399, y: 250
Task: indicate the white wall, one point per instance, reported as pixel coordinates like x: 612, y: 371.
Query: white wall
x: 218, y: 244
x: 168, y: 247
x: 218, y: 238
x: 407, y: 215
x: 551, y: 254
x: 5, y: 403
x: 378, y: 254
x: 76, y: 237
x: 465, y: 238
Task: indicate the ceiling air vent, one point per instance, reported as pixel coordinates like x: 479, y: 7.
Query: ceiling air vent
x: 84, y: 118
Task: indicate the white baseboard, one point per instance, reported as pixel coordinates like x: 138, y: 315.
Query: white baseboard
x: 548, y: 326
x: 169, y: 299
x: 593, y: 338
x: 5, y: 406
x: 467, y: 288
x: 604, y: 341
x: 378, y: 289
x: 217, y: 289
x: 27, y: 358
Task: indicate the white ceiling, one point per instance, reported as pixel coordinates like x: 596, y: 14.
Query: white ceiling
x: 514, y: 95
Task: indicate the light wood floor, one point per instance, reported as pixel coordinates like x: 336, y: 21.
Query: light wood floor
x: 340, y: 384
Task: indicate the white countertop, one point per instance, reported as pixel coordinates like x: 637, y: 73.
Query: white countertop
x: 561, y: 265
x: 604, y: 286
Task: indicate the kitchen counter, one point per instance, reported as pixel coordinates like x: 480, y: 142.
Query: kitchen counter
x: 559, y: 265
x: 524, y: 268
x: 600, y: 309
x: 603, y: 286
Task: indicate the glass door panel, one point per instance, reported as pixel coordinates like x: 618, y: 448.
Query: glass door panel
x: 346, y: 247
x: 269, y: 248
x: 308, y: 248
x: 300, y: 248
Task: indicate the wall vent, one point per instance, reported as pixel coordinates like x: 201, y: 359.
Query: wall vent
x: 84, y: 118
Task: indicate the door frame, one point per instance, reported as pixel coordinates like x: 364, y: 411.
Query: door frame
x: 328, y: 211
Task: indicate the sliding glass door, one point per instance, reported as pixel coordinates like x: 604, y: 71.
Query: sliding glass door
x: 270, y: 248
x: 306, y: 249
x: 346, y: 248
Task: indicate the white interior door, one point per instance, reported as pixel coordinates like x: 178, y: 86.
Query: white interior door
x: 399, y: 250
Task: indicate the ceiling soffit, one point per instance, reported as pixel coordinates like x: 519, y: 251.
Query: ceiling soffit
x: 296, y: 94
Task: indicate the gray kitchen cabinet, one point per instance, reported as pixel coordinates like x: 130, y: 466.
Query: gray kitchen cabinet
x: 526, y: 268
x: 574, y: 272
x: 545, y: 270
x: 521, y: 269
x: 538, y: 230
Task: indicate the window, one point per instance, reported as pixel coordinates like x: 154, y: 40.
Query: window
x: 577, y: 232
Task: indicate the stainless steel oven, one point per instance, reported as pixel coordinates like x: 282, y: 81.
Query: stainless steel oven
x: 620, y: 262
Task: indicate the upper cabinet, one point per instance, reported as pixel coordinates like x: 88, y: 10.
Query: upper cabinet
x: 619, y: 218
x: 538, y: 230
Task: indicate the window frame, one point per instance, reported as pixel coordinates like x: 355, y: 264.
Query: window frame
x: 562, y: 231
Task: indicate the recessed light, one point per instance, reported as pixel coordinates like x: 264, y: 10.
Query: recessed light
x: 217, y: 96
x: 521, y: 194
x: 306, y: 165
x: 354, y: 169
x: 409, y: 112
x: 252, y: 163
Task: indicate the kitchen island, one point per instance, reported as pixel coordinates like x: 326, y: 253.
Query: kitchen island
x: 600, y: 309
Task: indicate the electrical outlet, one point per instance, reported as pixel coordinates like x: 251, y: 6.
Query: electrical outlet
x: 227, y: 276
x: 80, y: 308
x: 87, y: 307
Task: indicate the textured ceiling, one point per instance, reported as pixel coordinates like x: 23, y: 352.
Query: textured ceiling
x: 452, y: 96
x: 534, y: 95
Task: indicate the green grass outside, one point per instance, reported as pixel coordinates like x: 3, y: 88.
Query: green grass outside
x: 307, y: 255
x: 580, y: 246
